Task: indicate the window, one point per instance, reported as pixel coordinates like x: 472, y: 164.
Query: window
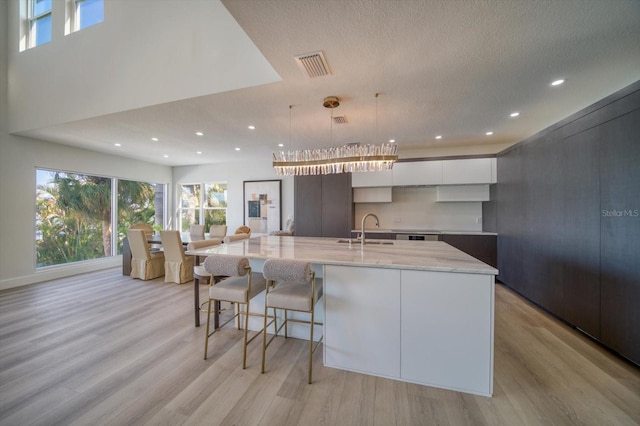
x: 74, y: 214
x: 83, y: 14
x: 139, y: 202
x: 202, y: 204
x: 39, y: 16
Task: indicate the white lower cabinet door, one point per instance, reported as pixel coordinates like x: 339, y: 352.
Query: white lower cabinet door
x: 362, y: 320
x: 447, y: 330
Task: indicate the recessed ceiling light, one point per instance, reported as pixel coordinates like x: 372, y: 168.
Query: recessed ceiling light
x: 392, y: 141
x: 489, y: 133
x: 199, y: 133
x: 198, y: 152
x: 252, y: 127
x: 514, y: 114
x: 280, y: 144
x: 439, y: 137
x: 237, y: 149
x: 165, y: 156
x: 117, y: 144
x: 557, y: 82
x: 154, y: 139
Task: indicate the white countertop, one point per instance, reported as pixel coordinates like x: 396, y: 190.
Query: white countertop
x: 416, y: 255
x: 422, y: 232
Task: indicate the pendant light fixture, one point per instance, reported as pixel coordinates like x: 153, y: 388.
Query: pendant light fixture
x: 343, y: 159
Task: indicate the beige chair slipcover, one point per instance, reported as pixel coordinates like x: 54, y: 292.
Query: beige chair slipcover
x: 144, y: 264
x: 178, y: 267
x: 148, y: 229
x: 196, y: 231
x: 218, y: 231
x: 236, y: 237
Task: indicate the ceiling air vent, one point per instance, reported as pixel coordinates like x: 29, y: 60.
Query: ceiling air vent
x: 340, y: 120
x: 313, y: 64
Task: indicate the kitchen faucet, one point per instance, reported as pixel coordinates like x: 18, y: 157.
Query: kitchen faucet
x: 362, y: 230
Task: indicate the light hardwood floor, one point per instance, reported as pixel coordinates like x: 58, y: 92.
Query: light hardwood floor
x: 101, y: 348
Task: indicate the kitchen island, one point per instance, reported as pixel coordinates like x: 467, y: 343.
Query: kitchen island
x: 416, y: 311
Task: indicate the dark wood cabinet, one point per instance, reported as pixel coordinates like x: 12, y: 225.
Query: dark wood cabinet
x: 620, y: 240
x: 482, y: 247
x: 568, y: 220
x: 323, y: 205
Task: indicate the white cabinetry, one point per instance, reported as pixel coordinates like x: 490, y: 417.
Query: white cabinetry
x: 417, y: 173
x: 447, y: 330
x: 364, y: 179
x: 494, y: 170
x: 467, y: 171
x: 426, y: 327
x: 362, y: 331
x: 462, y: 193
x: 380, y: 194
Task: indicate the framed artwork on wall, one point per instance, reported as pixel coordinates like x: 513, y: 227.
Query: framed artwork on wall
x: 263, y: 205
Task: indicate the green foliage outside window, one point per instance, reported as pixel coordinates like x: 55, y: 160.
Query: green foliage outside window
x: 73, y: 215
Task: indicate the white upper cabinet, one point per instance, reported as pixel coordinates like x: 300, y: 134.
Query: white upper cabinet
x: 437, y: 172
x: 417, y: 173
x: 363, y: 179
x: 494, y: 170
x: 467, y: 171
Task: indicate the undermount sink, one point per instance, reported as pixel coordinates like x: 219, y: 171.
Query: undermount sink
x: 367, y: 242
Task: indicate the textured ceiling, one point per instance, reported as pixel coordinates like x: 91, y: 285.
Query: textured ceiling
x: 442, y: 67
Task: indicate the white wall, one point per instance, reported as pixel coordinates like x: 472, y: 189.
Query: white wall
x: 235, y: 174
x: 416, y: 208
x: 144, y: 53
x: 19, y: 158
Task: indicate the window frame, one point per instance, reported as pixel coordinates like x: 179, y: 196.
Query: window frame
x: 114, y: 200
x: 73, y: 16
x: 32, y: 20
x: 202, y: 208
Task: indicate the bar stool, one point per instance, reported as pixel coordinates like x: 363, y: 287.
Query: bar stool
x: 239, y: 288
x: 200, y: 275
x: 292, y: 286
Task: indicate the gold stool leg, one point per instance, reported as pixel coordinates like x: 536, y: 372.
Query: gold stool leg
x: 206, y: 336
x: 311, y: 343
x: 246, y: 330
x: 264, y: 335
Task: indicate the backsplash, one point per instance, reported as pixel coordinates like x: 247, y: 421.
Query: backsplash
x: 416, y: 208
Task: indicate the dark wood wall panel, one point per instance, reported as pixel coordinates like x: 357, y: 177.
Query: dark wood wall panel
x: 337, y: 221
x: 308, y: 206
x: 620, y: 248
x: 323, y: 205
x: 579, y: 232
x: 556, y: 244
x: 511, y: 218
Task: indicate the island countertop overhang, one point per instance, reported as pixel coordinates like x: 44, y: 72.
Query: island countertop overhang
x: 413, y: 255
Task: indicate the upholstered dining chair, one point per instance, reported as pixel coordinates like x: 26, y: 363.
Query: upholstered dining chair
x: 145, y: 265
x: 218, y: 231
x: 196, y: 231
x: 291, y: 285
x: 178, y: 267
x: 235, y: 237
x: 239, y: 287
x: 243, y: 230
x: 148, y: 229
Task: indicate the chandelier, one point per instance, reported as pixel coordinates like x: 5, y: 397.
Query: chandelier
x: 342, y: 159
